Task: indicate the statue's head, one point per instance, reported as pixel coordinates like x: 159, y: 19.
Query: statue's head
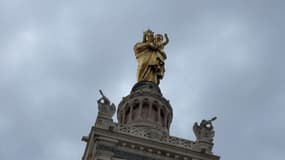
x: 158, y: 38
x: 148, y: 36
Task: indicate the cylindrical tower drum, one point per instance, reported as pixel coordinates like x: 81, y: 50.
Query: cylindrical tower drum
x: 146, y: 108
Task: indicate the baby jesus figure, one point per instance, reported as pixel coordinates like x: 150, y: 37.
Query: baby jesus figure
x: 159, y: 44
x: 160, y: 54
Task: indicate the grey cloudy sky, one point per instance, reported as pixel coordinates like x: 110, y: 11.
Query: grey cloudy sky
x: 225, y: 59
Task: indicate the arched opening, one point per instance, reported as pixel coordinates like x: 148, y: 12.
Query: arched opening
x: 155, y: 112
x: 162, y: 118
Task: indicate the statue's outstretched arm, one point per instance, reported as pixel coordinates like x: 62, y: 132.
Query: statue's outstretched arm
x: 142, y: 46
x: 166, y: 39
x: 106, y: 100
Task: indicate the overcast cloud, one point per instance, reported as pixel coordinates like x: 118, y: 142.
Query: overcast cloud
x: 225, y: 59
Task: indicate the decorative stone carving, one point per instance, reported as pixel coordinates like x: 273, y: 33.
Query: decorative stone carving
x: 106, y: 109
x: 205, y: 131
x: 134, y: 131
x: 139, y: 132
x: 178, y: 142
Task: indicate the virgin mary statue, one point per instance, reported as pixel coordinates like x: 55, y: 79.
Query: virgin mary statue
x: 150, y: 57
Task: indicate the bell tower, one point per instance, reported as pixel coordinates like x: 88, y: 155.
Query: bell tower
x: 147, y: 109
x: 144, y: 117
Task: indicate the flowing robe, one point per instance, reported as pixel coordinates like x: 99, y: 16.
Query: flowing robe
x: 150, y: 63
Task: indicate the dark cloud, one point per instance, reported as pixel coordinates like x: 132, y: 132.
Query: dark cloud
x: 224, y: 58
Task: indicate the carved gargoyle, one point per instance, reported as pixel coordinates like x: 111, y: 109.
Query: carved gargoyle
x: 205, y: 131
x: 105, y: 108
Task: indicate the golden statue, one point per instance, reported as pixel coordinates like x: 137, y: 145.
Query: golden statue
x: 151, y: 56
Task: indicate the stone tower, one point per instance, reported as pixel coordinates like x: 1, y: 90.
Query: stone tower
x: 144, y: 118
x: 146, y: 109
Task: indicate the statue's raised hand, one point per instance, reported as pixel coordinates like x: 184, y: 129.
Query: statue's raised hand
x: 166, y: 39
x: 165, y: 35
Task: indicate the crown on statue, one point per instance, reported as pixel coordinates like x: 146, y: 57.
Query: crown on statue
x: 148, y: 31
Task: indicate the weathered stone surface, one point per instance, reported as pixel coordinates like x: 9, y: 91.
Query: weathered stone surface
x: 146, y: 86
x: 146, y: 108
x: 126, y: 145
x: 143, y: 135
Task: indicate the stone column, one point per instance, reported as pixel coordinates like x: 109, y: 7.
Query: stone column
x: 149, y: 111
x: 158, y: 115
x: 165, y: 121
x: 131, y: 113
x: 140, y: 110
